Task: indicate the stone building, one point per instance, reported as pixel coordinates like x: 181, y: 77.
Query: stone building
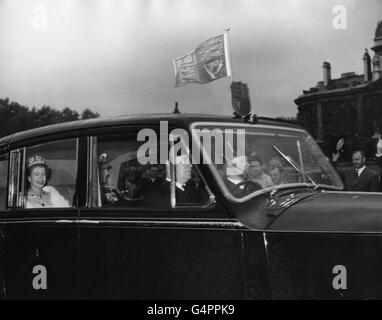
x: 348, y: 107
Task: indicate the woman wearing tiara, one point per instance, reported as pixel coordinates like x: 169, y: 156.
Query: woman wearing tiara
x: 39, y: 195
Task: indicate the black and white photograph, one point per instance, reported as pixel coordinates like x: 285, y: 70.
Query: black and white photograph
x: 190, y: 150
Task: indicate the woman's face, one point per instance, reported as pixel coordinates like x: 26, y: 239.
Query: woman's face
x: 37, y: 177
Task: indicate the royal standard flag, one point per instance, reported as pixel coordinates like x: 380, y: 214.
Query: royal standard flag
x: 208, y: 62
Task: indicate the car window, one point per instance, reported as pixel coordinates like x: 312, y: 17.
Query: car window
x: 248, y: 160
x: 125, y: 180
x: 3, y: 180
x: 44, y: 175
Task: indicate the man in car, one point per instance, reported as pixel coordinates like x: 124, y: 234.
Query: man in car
x: 186, y: 191
x: 153, y: 175
x: 276, y: 174
x: 236, y: 179
x: 256, y: 172
x: 109, y: 194
x: 130, y: 180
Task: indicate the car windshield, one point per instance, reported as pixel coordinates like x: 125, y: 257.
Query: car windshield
x: 248, y: 160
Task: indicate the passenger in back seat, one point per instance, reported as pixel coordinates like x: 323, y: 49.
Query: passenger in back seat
x: 110, y: 195
x: 40, y: 195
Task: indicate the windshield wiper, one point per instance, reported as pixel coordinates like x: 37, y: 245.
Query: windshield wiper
x: 294, y: 165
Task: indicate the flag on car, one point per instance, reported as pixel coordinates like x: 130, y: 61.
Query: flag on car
x: 208, y: 62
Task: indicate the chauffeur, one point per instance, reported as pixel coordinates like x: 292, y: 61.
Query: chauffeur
x: 236, y: 180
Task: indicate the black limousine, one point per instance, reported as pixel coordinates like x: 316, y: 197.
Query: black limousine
x: 181, y: 206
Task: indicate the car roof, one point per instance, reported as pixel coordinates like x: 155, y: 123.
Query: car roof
x: 179, y: 119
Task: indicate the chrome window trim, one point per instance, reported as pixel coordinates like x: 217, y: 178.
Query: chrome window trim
x: 22, y: 168
x: 12, y: 188
x: 4, y: 206
x: 172, y: 175
x: 213, y: 224
x: 10, y: 182
x: 167, y: 223
x: 92, y: 142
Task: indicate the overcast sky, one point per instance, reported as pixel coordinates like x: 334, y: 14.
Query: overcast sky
x: 114, y: 56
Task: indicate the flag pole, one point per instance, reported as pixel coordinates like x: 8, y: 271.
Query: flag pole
x: 227, y: 53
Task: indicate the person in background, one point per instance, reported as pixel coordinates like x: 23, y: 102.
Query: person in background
x: 378, y: 157
x: 154, y: 175
x: 276, y: 174
x: 275, y: 162
x: 336, y: 153
x: 256, y: 172
x: 286, y: 177
x: 359, y: 177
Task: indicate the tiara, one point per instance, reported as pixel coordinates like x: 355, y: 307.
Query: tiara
x: 36, y: 160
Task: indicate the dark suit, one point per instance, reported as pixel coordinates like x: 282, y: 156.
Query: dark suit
x: 367, y: 181
x: 191, y: 194
x: 156, y: 193
x: 159, y: 194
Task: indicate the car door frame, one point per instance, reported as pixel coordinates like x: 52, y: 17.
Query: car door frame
x: 182, y: 223
x: 63, y: 220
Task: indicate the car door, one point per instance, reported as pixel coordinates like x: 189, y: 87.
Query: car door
x: 4, y: 163
x: 318, y: 244
x: 328, y: 246
x: 147, y: 245
x: 41, y: 244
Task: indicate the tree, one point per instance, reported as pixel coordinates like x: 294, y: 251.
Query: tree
x: 68, y: 114
x: 15, y: 117
x: 88, y: 114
